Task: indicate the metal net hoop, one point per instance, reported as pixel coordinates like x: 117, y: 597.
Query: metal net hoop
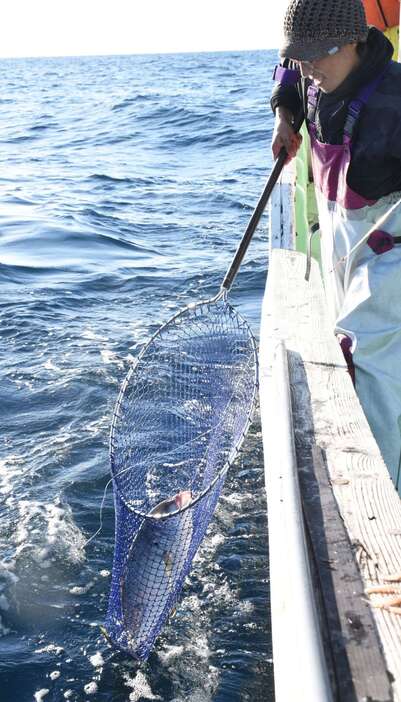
x: 184, y: 407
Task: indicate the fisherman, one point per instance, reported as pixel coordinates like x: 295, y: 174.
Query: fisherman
x: 339, y: 75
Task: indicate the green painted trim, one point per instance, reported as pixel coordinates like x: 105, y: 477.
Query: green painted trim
x: 301, y: 193
x: 305, y: 200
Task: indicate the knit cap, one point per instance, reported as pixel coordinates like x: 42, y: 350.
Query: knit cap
x: 313, y: 28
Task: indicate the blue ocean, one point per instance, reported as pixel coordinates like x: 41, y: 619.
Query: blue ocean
x: 126, y: 183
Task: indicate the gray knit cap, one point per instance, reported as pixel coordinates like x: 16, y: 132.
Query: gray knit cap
x: 313, y: 28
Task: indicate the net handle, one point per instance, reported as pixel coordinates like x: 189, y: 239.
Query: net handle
x: 259, y: 209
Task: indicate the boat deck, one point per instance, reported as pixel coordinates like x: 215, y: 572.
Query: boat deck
x: 351, y: 513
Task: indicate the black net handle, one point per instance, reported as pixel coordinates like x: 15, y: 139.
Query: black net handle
x: 260, y: 207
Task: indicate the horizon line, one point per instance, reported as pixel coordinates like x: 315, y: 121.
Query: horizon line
x: 135, y: 53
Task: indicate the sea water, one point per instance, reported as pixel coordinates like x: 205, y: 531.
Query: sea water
x: 126, y: 183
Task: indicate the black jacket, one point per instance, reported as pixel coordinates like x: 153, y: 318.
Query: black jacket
x: 375, y: 169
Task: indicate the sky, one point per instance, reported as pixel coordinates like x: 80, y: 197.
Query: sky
x: 93, y: 27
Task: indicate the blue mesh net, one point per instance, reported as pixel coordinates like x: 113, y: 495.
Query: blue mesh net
x: 180, y: 418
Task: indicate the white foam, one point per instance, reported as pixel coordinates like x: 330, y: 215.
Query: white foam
x: 89, y: 334
x: 140, y: 688
x: 200, y: 647
x: 68, y: 694
x: 47, y: 531
x: 51, y: 648
x: 97, y: 660
x: 81, y: 590
x: 40, y: 694
x: 170, y: 653
x: 98, y: 425
x: 223, y: 593
x: 49, y: 365
x: 54, y: 675
x: 191, y: 662
x: 109, y: 356
x: 235, y: 499
x: 91, y: 688
x: 61, y: 438
x: 246, y: 606
x: 193, y: 603
x: 216, y: 540
x: 11, y: 468
x: 204, y: 686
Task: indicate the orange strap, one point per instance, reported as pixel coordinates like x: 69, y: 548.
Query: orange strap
x: 382, y: 13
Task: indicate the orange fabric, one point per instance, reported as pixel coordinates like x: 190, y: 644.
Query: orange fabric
x: 382, y: 13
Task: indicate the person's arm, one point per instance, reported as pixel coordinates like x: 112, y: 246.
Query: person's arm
x: 286, y: 103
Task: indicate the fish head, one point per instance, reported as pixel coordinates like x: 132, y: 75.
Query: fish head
x: 182, y: 499
x: 171, y: 505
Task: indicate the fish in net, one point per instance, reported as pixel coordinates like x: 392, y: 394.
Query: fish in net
x: 180, y: 418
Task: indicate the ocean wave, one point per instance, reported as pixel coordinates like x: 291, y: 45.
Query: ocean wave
x: 58, y: 248
x: 178, y: 116
x: 220, y: 138
x: 19, y: 139
x: 105, y: 179
x: 24, y: 273
x: 140, y: 97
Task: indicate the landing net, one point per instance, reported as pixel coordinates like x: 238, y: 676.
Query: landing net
x: 181, y: 416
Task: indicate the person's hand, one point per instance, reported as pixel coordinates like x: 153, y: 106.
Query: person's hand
x: 284, y: 135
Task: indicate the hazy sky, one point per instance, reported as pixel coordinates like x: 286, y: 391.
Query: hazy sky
x: 75, y: 27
